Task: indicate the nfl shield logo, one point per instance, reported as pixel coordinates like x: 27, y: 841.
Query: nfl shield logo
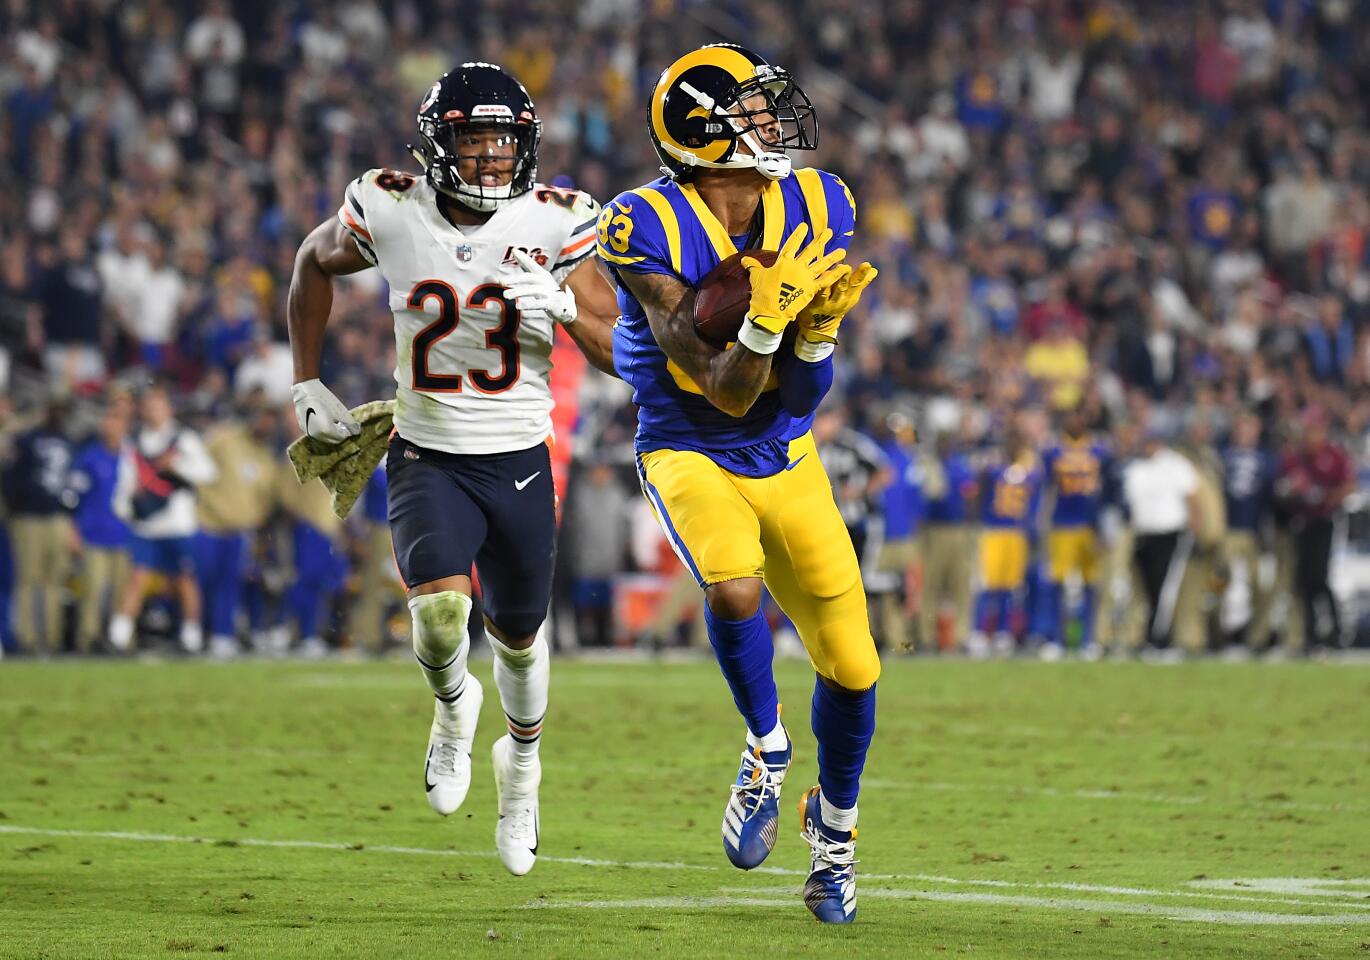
x: 465, y: 253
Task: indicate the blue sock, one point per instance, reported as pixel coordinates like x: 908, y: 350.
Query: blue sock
x: 1086, y: 616
x: 1056, y: 614
x: 984, y: 611
x: 744, y: 652
x: 843, y: 724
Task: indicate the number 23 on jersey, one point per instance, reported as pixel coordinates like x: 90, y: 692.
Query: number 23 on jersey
x: 502, y: 337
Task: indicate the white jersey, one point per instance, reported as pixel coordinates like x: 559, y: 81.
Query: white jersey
x: 471, y: 370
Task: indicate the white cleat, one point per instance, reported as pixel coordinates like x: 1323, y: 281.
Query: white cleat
x: 516, y: 831
x: 447, y: 768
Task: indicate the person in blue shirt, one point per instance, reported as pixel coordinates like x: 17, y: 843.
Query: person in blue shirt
x: 1249, y: 473
x: 37, y: 493
x: 104, y: 537
x: 902, y: 513
x: 945, y: 541
x: 1075, y: 470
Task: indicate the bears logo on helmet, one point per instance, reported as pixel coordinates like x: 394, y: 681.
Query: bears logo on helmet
x: 477, y: 96
x: 712, y: 102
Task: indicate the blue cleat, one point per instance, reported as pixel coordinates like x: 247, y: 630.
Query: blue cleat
x: 751, y: 820
x: 830, y: 891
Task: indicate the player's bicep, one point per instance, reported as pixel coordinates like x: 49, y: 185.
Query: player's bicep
x: 335, y: 249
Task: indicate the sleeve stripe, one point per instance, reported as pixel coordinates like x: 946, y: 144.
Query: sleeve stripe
x: 356, y: 205
x: 573, y: 260
x: 365, y: 248
x: 586, y: 225
x: 569, y: 249
x: 356, y: 227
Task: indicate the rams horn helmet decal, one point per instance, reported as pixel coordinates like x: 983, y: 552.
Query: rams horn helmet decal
x: 712, y: 108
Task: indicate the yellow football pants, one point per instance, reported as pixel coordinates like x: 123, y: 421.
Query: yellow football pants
x: 784, y: 528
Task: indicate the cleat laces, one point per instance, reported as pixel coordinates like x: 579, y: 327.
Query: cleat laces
x: 762, y: 783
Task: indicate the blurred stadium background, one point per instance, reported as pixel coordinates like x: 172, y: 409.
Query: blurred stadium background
x: 1155, y: 211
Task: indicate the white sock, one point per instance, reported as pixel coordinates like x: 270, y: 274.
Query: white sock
x: 120, y: 631
x: 522, y: 677
x: 775, y: 740
x: 836, y: 818
x: 192, y: 637
x: 439, y: 648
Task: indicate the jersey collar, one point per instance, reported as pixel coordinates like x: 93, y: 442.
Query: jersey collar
x: 772, y: 219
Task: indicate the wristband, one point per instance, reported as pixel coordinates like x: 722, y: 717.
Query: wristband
x: 812, y: 351
x: 758, y: 339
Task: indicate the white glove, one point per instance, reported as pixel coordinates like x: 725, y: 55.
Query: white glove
x: 321, y: 415
x: 537, y: 289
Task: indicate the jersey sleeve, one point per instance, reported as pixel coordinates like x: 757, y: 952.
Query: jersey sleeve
x: 841, y: 211
x: 631, y: 237
x: 580, y: 241
x: 352, y: 213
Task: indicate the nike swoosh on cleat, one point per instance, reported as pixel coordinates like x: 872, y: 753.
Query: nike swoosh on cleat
x: 520, y: 484
x: 427, y: 786
x: 791, y: 466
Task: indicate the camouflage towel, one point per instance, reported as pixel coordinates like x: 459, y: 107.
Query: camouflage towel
x: 344, y: 468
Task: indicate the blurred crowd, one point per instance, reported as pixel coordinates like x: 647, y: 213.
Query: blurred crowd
x: 1149, y: 216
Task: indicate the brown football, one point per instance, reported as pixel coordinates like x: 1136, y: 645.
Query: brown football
x: 723, y: 296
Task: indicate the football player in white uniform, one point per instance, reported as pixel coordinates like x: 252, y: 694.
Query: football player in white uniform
x: 482, y: 263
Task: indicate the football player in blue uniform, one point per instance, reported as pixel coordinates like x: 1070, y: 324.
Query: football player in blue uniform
x: 1012, y: 489
x: 1074, y: 471
x: 724, y: 451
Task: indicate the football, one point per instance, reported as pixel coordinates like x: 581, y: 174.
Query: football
x: 723, y: 296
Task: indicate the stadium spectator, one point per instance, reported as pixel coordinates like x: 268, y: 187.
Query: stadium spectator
x: 155, y: 495
x: 39, y: 496
x: 104, y: 538
x: 72, y: 300
x: 859, y: 471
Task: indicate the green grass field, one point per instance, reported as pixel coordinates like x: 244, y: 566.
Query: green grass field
x: 1010, y: 810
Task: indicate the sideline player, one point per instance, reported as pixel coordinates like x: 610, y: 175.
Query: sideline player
x: 1074, y: 469
x: 482, y: 263
x: 724, y: 451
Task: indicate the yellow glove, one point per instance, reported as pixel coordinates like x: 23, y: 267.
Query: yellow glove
x: 821, y: 318
x: 784, y: 288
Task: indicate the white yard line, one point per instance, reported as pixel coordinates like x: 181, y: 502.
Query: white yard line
x: 1256, y: 805
x: 1250, y: 891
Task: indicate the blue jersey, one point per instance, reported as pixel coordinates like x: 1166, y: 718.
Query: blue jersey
x: 1248, y: 487
x: 665, y: 227
x: 902, y: 504
x: 93, y: 476
x: 951, y: 505
x: 36, y: 483
x: 1012, y: 493
x: 1075, y: 469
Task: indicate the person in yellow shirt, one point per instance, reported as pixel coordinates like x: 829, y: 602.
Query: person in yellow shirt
x: 1060, y: 364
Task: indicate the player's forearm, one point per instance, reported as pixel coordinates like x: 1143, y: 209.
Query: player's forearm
x: 594, y: 336
x: 306, y: 314
x: 736, y: 378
